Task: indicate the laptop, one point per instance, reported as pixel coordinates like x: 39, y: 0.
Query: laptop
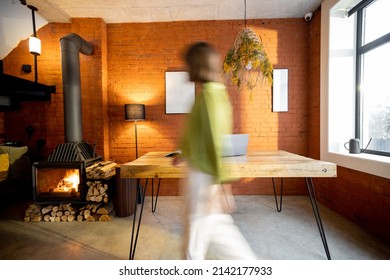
x: 234, y: 145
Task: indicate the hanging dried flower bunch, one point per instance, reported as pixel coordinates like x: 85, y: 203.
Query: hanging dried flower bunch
x: 246, y: 62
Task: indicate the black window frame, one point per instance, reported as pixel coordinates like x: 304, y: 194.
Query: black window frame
x: 360, y: 51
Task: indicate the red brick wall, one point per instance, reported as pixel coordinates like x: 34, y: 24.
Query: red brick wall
x: 360, y: 197
x: 139, y: 55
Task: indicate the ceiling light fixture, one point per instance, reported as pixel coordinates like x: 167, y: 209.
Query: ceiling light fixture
x: 247, y: 60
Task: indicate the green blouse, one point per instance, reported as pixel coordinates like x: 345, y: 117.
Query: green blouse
x: 210, y: 118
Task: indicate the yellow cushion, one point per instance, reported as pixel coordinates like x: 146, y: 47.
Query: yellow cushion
x: 15, y: 153
x: 4, y: 166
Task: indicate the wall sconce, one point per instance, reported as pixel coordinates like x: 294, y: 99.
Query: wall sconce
x: 34, y: 42
x: 135, y: 112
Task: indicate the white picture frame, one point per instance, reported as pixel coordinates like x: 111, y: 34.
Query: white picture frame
x: 179, y: 92
x: 280, y: 90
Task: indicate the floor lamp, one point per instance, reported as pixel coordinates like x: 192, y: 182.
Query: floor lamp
x: 135, y: 112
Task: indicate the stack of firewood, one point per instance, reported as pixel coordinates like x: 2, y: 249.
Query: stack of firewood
x: 96, y: 212
x: 101, y: 170
x: 68, y: 213
x: 97, y: 191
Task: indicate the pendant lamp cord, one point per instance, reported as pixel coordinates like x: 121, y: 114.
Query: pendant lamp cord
x: 35, y: 56
x: 245, y: 13
x: 33, y: 22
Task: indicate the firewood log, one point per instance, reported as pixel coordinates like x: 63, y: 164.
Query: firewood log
x: 67, y: 207
x: 90, y: 218
x: 105, y: 218
x: 103, y: 189
x: 99, y: 198
x: 36, y: 219
x: 95, y: 207
x: 106, y: 209
x: 36, y: 212
x: 46, y: 209
x: 87, y: 213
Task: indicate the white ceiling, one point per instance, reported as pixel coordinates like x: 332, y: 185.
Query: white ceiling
x: 16, y: 25
x: 116, y: 11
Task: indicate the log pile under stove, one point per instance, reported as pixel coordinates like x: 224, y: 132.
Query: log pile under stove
x: 91, y: 212
x: 98, y: 204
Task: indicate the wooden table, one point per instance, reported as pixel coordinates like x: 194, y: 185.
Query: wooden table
x: 258, y: 164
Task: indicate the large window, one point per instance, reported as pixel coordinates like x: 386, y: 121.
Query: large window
x: 355, y: 83
x: 373, y: 88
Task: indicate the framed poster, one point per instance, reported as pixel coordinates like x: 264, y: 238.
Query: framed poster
x: 179, y: 92
x: 280, y: 90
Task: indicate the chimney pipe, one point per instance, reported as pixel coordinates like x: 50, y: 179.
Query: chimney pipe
x: 71, y: 45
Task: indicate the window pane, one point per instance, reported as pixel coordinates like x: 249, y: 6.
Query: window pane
x: 376, y: 99
x: 376, y: 20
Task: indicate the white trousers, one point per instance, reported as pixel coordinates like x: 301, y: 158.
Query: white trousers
x: 208, y: 225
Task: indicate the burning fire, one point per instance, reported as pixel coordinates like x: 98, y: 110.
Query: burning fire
x: 70, y: 183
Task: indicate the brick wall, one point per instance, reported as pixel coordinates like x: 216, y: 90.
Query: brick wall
x: 139, y: 55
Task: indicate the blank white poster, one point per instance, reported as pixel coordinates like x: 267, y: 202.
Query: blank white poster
x: 179, y: 93
x: 280, y: 90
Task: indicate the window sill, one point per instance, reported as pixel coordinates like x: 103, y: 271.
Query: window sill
x: 368, y: 163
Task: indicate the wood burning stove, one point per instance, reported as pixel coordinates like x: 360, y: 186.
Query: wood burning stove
x: 59, y: 181
x: 63, y: 176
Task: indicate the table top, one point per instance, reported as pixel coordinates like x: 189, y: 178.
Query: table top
x: 255, y: 164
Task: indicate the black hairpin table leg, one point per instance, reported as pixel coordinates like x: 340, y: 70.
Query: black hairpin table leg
x: 133, y: 240
x: 313, y: 200
x: 154, y: 203
x: 278, y: 205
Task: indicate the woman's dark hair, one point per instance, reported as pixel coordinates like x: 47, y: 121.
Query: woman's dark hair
x: 204, y: 62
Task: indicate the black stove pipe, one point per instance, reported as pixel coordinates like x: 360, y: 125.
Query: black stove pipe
x: 71, y: 45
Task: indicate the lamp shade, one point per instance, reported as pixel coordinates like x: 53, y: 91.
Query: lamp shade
x: 134, y: 112
x: 34, y: 45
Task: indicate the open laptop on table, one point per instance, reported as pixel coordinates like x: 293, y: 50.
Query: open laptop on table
x: 234, y: 145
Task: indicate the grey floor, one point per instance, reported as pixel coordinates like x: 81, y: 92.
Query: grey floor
x: 289, y: 235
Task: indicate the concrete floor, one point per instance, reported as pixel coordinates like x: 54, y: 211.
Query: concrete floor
x: 289, y: 235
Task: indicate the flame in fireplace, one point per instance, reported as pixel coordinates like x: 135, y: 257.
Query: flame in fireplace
x: 70, y: 183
